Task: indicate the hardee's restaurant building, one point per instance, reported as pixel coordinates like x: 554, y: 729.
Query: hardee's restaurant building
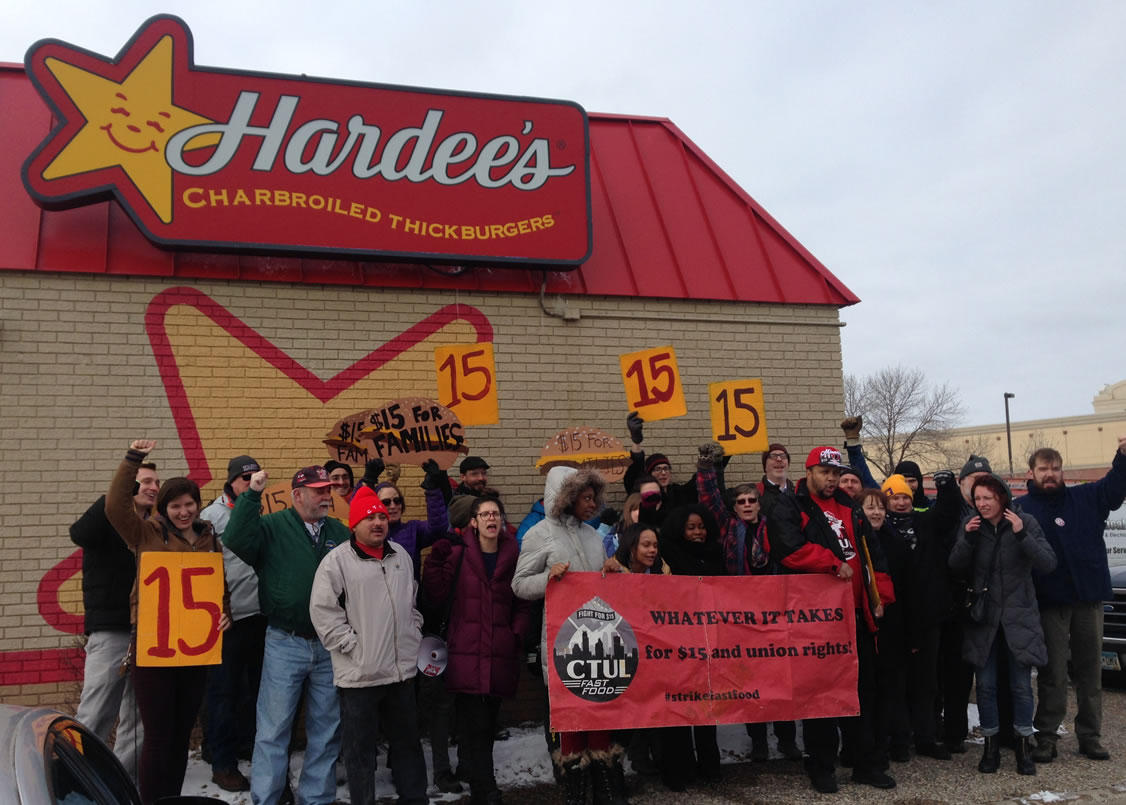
x: 233, y: 262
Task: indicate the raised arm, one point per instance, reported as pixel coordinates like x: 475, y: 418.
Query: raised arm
x: 119, y: 499
x: 244, y: 534
x: 855, y: 449
x: 707, y: 485
x: 1110, y: 490
x: 437, y: 515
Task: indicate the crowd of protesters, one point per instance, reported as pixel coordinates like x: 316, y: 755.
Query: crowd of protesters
x: 328, y: 617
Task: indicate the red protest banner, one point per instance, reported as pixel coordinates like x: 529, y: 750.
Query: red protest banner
x: 629, y: 651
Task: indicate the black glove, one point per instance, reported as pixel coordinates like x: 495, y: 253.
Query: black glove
x: 435, y: 476
x: 634, y: 423
x: 372, y: 470
x: 609, y: 516
x: 942, y: 478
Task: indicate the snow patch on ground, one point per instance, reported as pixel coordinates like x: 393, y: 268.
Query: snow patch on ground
x: 519, y: 761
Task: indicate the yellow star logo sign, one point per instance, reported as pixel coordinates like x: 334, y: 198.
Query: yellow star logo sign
x: 127, y: 124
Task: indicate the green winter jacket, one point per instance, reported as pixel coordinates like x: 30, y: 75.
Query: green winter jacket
x: 280, y: 550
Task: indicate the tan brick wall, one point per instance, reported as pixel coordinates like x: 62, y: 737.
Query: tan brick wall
x: 80, y: 380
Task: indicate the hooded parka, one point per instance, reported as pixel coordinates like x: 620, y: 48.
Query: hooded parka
x: 1011, y: 595
x: 559, y: 537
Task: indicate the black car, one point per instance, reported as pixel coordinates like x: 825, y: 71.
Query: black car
x: 1114, y: 628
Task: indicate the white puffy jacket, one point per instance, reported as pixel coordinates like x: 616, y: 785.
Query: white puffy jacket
x: 559, y: 537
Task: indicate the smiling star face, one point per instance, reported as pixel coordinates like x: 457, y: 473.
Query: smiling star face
x: 129, y: 136
x: 127, y: 124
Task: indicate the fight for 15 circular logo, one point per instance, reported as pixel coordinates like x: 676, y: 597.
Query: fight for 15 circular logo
x: 595, y: 652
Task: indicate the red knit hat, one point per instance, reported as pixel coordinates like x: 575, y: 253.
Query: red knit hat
x: 364, y: 505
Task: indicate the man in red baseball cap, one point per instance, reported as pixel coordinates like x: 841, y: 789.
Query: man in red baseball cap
x: 815, y: 529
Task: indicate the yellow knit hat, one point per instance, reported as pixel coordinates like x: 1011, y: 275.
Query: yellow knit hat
x: 897, y: 485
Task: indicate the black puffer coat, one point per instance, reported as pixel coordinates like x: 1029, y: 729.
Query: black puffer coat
x: 1011, y: 595
x: 109, y: 568
x: 918, y: 554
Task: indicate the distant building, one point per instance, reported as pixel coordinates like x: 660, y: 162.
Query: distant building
x: 1086, y: 441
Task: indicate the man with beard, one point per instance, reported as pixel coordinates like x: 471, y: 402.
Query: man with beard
x: 1071, y: 596
x: 816, y: 529
x: 285, y: 548
x: 108, y: 573
x: 474, y: 481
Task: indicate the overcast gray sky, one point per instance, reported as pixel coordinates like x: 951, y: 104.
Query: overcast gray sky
x: 959, y: 165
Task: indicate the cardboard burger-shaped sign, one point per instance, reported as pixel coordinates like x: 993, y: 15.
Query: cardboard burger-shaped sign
x: 406, y: 431
x: 585, y: 447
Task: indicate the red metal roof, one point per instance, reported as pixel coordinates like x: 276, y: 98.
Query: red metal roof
x: 668, y: 223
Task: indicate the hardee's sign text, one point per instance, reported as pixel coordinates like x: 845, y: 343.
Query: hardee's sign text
x: 219, y: 159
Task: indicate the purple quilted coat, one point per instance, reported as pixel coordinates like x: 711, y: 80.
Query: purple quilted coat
x: 487, y: 622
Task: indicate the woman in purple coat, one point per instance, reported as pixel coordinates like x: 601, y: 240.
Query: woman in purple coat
x: 487, y: 624
x: 414, y: 535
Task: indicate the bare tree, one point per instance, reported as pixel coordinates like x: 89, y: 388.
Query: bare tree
x: 904, y: 417
x: 955, y: 452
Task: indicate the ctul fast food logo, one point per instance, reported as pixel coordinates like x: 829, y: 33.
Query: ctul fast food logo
x: 225, y: 160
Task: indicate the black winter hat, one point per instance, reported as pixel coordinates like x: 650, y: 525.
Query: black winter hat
x: 974, y: 464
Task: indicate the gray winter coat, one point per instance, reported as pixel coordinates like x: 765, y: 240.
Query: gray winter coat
x: 559, y: 537
x: 1011, y: 596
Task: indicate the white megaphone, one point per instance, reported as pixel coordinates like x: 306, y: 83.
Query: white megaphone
x: 432, y: 656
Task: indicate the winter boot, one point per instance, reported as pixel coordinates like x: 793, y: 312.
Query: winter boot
x: 1045, y: 750
x: 1023, y: 749
x: 607, y: 777
x: 573, y: 777
x: 991, y: 757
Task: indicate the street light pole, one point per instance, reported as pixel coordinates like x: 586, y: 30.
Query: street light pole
x: 1009, y: 432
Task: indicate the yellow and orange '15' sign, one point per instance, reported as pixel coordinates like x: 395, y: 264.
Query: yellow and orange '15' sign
x: 652, y: 383
x: 738, y: 419
x: 467, y: 382
x: 180, y: 601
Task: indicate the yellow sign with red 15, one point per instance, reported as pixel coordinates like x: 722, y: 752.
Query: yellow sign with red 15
x: 738, y: 418
x: 180, y: 600
x: 467, y: 382
x: 652, y: 383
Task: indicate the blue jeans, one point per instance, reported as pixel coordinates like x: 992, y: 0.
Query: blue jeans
x: 289, y: 661
x: 1020, y: 685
